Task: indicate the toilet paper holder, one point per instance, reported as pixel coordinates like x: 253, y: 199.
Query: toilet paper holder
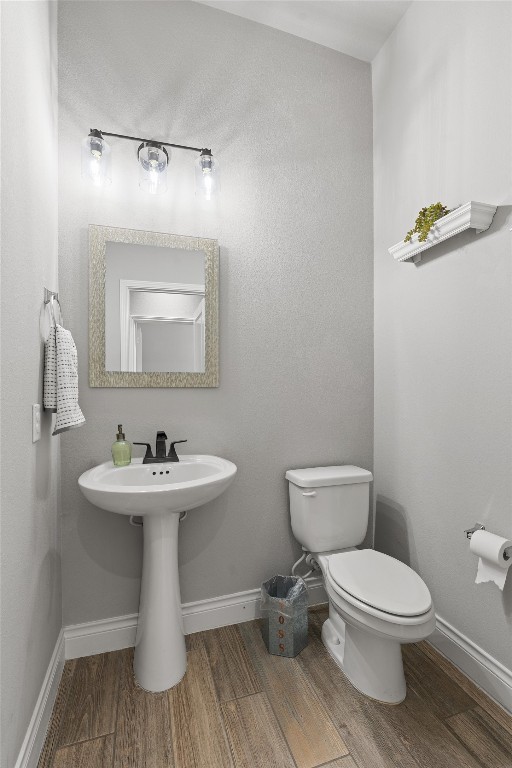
x: 470, y: 531
x: 507, y: 554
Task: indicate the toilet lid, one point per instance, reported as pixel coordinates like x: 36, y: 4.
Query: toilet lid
x: 316, y: 477
x: 380, y: 581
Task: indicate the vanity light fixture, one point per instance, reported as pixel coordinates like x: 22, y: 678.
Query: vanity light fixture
x: 153, y: 164
x: 207, y: 175
x: 96, y: 159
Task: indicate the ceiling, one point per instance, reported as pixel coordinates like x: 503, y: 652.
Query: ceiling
x: 355, y: 27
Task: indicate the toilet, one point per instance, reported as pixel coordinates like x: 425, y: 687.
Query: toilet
x: 376, y: 602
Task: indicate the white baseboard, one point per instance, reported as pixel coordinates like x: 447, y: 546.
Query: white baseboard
x: 36, y: 731
x: 113, y: 634
x: 100, y: 636
x: 237, y: 608
x: 484, y: 670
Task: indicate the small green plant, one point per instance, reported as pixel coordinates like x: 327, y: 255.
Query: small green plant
x: 424, y: 221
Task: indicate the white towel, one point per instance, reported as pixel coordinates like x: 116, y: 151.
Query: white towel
x: 61, y: 380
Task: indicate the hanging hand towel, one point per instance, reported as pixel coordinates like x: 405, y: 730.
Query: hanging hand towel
x: 61, y: 380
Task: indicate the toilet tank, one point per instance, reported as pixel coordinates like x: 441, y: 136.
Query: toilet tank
x: 329, y: 506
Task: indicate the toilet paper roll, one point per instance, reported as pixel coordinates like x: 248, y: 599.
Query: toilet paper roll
x: 493, y: 564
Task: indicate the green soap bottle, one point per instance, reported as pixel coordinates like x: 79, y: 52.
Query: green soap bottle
x: 121, y: 449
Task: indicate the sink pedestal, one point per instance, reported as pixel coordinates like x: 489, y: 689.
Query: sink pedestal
x: 160, y: 654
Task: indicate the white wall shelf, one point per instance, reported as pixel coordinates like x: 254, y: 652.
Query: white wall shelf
x: 470, y: 215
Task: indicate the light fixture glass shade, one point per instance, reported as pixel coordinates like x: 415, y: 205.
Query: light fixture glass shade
x: 207, y: 176
x: 153, y: 163
x: 96, y: 159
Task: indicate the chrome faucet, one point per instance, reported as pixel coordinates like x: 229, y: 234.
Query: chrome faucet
x: 160, y: 456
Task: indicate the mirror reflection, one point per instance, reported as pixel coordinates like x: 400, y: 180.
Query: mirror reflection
x: 154, y: 308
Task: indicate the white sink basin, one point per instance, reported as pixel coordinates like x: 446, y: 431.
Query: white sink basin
x: 146, y: 489
x: 158, y: 492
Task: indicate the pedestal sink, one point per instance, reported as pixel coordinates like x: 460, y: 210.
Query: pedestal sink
x: 158, y: 492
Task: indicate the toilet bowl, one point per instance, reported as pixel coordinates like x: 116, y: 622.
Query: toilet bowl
x: 376, y: 603
x: 364, y: 631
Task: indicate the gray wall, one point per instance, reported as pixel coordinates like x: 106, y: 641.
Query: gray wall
x: 30, y: 584
x: 290, y: 122
x: 443, y: 375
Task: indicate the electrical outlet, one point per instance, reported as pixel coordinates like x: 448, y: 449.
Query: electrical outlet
x: 36, y: 422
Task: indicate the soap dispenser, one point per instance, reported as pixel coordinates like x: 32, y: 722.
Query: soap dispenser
x: 121, y: 449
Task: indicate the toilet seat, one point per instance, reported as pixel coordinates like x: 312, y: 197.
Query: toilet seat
x: 380, y: 584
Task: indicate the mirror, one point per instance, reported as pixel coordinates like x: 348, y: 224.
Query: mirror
x: 153, y: 309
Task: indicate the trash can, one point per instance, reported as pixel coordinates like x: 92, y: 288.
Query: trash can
x: 284, y: 607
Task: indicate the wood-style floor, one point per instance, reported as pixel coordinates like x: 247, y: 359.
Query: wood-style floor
x: 239, y: 707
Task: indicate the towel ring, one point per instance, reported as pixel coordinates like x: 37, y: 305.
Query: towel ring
x: 50, y: 297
